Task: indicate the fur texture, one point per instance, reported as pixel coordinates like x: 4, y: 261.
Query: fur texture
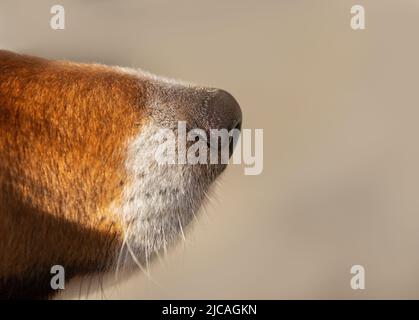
x: 79, y: 185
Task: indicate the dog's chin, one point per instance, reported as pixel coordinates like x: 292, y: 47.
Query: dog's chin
x: 160, y: 200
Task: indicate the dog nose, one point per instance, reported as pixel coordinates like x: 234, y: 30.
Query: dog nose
x: 224, y: 113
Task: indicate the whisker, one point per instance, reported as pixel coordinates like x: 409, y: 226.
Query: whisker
x: 161, y: 260
x: 207, y: 196
x: 88, y: 287
x: 102, y: 291
x: 120, y: 255
x: 194, y: 215
x: 164, y: 242
x: 81, y: 286
x: 205, y: 212
x: 138, y: 263
x: 181, y: 229
x: 134, y: 258
x: 146, y: 253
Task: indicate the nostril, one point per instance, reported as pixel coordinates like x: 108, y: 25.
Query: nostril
x: 234, y: 136
x: 223, y: 112
x: 237, y: 124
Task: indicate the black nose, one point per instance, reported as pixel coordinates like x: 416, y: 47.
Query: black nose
x: 224, y: 113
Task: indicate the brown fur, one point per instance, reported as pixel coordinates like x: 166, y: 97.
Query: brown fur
x: 63, y: 132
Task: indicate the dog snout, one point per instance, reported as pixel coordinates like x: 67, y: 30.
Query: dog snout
x: 223, y: 112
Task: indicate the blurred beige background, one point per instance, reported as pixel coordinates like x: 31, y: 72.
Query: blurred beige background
x: 339, y: 109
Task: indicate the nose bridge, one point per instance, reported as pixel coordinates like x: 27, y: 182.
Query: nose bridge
x: 197, y: 111
x: 173, y: 102
x: 200, y: 107
x: 209, y: 108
